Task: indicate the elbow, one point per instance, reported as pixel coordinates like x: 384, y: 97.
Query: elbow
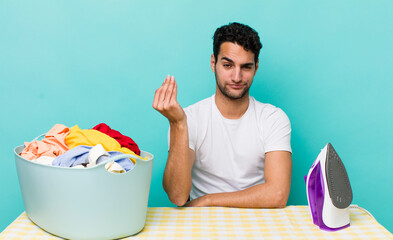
x: 280, y: 199
x: 178, y: 200
x: 178, y: 197
x: 175, y: 196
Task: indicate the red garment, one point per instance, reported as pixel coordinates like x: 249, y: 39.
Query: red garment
x: 120, y: 138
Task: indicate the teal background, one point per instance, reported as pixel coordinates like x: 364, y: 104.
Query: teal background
x: 327, y: 64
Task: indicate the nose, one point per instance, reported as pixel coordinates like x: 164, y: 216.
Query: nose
x: 237, y: 75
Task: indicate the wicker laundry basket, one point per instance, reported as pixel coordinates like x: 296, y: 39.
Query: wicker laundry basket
x: 89, y: 203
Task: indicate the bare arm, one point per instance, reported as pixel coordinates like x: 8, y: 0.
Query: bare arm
x: 177, y: 174
x: 271, y: 194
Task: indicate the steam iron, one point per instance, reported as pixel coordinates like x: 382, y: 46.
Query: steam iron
x: 329, y: 192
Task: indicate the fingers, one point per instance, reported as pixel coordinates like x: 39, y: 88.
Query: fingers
x: 158, y: 93
x: 174, y: 91
x: 156, y: 97
x: 163, y: 95
x: 165, y: 101
x: 164, y: 88
x: 170, y: 92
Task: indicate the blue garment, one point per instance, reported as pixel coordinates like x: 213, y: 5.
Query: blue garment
x: 79, y: 155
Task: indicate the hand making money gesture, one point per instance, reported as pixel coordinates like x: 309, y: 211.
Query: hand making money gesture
x: 165, y: 101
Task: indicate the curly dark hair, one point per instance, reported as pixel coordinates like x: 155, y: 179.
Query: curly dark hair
x: 240, y: 34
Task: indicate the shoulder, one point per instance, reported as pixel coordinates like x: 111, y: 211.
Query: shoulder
x: 266, y: 111
x: 199, y: 107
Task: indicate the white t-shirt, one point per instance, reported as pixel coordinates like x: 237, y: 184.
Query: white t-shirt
x: 230, y: 153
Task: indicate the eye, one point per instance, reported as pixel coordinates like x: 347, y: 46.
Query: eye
x: 227, y: 65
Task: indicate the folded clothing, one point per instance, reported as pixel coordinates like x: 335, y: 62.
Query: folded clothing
x: 91, y: 137
x: 89, y: 156
x: 123, y: 140
x: 52, y: 145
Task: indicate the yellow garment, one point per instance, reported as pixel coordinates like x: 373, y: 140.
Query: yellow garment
x: 91, y: 137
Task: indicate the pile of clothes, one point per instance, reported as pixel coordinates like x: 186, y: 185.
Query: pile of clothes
x: 77, y: 148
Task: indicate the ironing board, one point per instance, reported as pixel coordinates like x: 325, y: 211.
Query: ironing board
x: 292, y: 222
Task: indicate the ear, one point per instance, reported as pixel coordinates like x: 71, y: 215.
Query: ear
x: 213, y: 63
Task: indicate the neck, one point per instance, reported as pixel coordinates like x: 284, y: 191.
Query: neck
x: 231, y: 108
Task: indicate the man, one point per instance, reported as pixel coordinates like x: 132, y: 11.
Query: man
x: 227, y: 150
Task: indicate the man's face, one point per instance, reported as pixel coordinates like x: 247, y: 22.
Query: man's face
x: 235, y: 69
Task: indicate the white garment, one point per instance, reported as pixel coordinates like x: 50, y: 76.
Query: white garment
x: 230, y: 154
x: 45, y: 160
x: 114, y: 167
x: 95, y: 153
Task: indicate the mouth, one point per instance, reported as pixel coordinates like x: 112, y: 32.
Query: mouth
x: 236, y: 86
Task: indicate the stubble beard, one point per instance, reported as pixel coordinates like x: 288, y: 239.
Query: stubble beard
x: 228, y: 94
